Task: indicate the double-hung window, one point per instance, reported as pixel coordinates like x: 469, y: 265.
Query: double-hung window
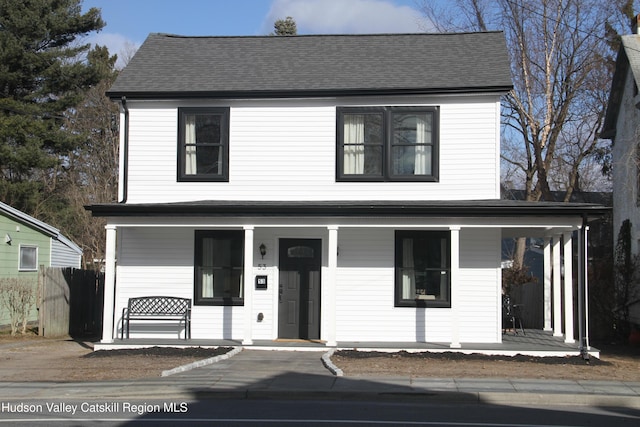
x: 423, y: 268
x: 203, y: 144
x: 219, y: 267
x: 387, y: 144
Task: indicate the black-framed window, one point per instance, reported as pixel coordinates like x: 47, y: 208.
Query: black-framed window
x: 219, y: 267
x: 423, y: 268
x: 203, y: 144
x: 387, y: 144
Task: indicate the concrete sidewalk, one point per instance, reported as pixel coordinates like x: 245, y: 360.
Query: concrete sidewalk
x: 261, y: 374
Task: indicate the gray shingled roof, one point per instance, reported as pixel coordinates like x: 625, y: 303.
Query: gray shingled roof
x: 179, y: 66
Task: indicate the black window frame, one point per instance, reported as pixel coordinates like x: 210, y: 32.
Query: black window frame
x: 199, y: 236
x: 224, y: 113
x: 388, y: 144
x: 398, y: 263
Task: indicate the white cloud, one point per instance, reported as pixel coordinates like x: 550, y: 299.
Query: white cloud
x: 345, y: 17
x: 117, y: 44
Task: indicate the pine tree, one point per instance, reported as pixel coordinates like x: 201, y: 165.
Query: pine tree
x: 43, y: 74
x: 285, y: 27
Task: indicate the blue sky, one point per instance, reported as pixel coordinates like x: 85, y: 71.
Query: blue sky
x: 130, y: 21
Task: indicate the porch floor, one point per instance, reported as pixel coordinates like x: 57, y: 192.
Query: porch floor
x: 533, y: 343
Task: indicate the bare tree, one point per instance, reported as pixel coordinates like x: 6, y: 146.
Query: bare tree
x: 561, y: 69
x: 561, y: 66
x: 93, y: 168
x: 126, y: 53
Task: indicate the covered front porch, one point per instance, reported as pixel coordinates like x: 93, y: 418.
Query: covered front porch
x: 533, y: 342
x: 360, y: 290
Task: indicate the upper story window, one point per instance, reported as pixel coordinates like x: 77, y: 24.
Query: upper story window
x: 203, y: 144
x: 28, y: 258
x: 387, y: 144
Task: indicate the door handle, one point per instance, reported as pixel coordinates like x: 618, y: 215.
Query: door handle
x: 280, y: 288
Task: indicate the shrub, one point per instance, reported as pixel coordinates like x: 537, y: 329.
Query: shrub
x: 17, y: 296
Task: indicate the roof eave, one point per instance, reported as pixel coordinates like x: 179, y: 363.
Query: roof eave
x: 371, y: 209
x: 615, y: 96
x: 29, y: 220
x: 310, y: 93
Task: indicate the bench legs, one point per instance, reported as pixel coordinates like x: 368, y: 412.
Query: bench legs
x: 127, y: 321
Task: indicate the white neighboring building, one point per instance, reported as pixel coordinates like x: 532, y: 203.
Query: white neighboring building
x: 334, y: 188
x: 621, y: 125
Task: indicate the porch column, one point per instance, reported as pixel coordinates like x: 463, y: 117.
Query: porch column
x: 248, y: 286
x: 455, y: 301
x: 547, y: 283
x: 109, y: 285
x: 583, y: 291
x: 568, y: 288
x: 557, y: 290
x: 329, y: 305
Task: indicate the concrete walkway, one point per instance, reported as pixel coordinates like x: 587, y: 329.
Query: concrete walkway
x: 256, y: 374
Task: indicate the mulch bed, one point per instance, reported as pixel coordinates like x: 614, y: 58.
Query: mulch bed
x: 454, y: 356
x: 199, y: 352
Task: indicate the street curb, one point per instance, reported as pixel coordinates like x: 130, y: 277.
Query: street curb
x: 440, y: 397
x: 200, y: 363
x: 557, y: 399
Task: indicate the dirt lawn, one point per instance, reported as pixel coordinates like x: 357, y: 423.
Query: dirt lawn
x: 32, y: 358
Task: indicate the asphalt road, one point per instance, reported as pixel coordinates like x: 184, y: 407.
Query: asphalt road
x: 245, y: 412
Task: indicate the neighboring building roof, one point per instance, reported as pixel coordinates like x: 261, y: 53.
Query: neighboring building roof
x: 459, y: 208
x: 38, y: 225
x: 628, y: 59
x: 172, y: 66
x: 604, y: 198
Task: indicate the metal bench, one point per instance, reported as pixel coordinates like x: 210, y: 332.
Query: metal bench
x: 158, y: 308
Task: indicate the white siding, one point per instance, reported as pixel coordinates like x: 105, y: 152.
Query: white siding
x: 64, y: 256
x: 480, y: 287
x: 265, y: 300
x: 365, y: 302
x: 625, y: 166
x: 626, y: 153
x: 287, y: 151
x: 160, y: 262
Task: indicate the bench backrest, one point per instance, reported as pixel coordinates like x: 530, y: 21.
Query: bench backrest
x: 165, y: 306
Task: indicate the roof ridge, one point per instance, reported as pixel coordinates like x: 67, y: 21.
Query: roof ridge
x: 267, y: 36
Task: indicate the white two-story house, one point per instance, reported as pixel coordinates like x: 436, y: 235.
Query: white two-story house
x: 338, y: 188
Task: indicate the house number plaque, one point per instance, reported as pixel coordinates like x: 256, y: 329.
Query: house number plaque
x: 261, y: 282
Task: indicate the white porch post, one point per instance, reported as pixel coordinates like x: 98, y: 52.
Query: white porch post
x: 109, y: 285
x: 329, y: 304
x: 557, y: 290
x: 583, y: 285
x: 569, y: 336
x: 248, y: 286
x: 547, y: 283
x: 455, y: 302
x: 586, y: 287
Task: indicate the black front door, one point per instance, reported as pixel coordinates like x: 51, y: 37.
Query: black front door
x: 299, y: 289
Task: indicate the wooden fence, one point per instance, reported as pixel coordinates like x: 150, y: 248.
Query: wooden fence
x: 531, y: 297
x: 70, y: 302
